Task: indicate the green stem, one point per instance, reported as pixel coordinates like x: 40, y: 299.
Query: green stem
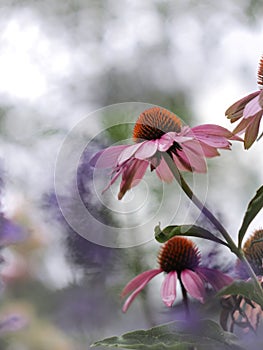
x: 231, y: 244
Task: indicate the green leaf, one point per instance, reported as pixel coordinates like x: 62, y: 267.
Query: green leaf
x: 205, y: 335
x: 254, y: 206
x: 245, y: 288
x: 184, y: 230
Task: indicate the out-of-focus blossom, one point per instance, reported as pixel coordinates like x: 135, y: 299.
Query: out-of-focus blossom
x: 179, y: 258
x: 12, y: 323
x: 81, y: 252
x: 250, y: 110
x: 10, y: 232
x: 157, y: 131
x: 78, y: 307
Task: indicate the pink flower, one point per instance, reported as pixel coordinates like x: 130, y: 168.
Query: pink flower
x: 250, y: 110
x: 157, y: 131
x: 179, y: 258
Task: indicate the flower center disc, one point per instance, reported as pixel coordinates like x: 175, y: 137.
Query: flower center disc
x: 153, y: 123
x: 260, y: 74
x: 178, y: 254
x: 253, y: 249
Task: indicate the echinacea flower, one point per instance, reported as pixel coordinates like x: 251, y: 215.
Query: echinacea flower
x: 243, y: 312
x: 179, y: 258
x: 157, y: 131
x: 250, y: 110
x: 253, y: 251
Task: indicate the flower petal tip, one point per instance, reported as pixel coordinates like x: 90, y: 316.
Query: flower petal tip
x: 120, y: 195
x: 169, y: 302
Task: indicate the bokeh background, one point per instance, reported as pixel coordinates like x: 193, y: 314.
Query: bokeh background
x: 61, y: 61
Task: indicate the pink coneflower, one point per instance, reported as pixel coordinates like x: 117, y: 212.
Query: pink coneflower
x: 157, y: 131
x: 237, y: 310
x: 250, y: 109
x: 179, y: 258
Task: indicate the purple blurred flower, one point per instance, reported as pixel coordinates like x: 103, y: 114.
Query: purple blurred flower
x: 10, y: 232
x: 85, y: 308
x: 80, y: 251
x: 12, y: 323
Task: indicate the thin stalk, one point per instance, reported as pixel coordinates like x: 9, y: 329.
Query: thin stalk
x: 185, y: 298
x: 187, y: 190
x: 231, y: 244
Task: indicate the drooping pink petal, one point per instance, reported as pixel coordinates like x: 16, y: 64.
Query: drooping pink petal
x: 164, y: 172
x: 193, y: 155
x: 216, y: 278
x: 193, y: 284
x: 252, y: 107
x: 131, y: 175
x: 241, y: 127
x: 209, y: 151
x: 212, y: 130
x: 235, y: 111
x: 147, y: 150
x: 136, y: 285
x: 168, y: 289
x: 252, y: 130
x: 107, y: 157
x: 114, y: 178
x: 214, y: 135
x: 128, y: 152
x: 181, y: 162
x: 138, y: 280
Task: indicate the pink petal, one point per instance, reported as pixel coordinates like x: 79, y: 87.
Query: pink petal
x: 252, y: 130
x: 193, y: 154
x: 181, y: 162
x: 211, y: 129
x: 114, y: 178
x: 138, y: 280
x: 216, y: 278
x: 136, y: 285
x: 193, y: 284
x: 128, y: 152
x: 147, y: 150
x: 165, y: 142
x: 184, y: 136
x: 235, y: 111
x: 168, y: 289
x: 214, y: 141
x: 131, y: 175
x: 163, y: 172
x: 252, y: 108
x: 209, y: 151
x: 241, y: 127
x: 213, y: 135
x: 107, y: 157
